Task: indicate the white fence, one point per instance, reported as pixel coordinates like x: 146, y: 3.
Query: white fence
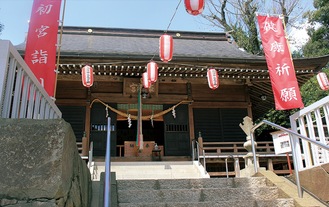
x: 312, y: 122
x: 21, y: 94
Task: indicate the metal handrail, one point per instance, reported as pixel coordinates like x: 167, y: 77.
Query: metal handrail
x: 290, y: 132
x: 90, y: 157
x: 107, y: 189
x: 236, y: 165
x: 226, y: 165
x: 203, y: 156
x: 198, y: 153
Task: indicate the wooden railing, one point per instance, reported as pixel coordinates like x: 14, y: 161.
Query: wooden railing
x: 233, y: 152
x: 236, y: 149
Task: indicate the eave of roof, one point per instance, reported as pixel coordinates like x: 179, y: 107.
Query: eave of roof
x: 125, y: 52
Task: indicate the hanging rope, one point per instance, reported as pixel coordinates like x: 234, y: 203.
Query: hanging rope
x: 173, y: 16
x: 133, y: 117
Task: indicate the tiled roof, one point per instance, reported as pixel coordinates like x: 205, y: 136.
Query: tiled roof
x: 132, y: 43
x: 148, y: 46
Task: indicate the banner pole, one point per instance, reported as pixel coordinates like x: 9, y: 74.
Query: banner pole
x: 59, y: 47
x: 289, y: 163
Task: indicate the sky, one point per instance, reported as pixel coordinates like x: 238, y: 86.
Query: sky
x: 134, y: 14
x: 141, y: 14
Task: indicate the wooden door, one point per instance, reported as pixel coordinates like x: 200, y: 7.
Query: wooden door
x: 98, y: 133
x: 176, y: 130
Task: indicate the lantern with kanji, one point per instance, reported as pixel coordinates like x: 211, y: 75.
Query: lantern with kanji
x: 166, y: 48
x: 212, y: 77
x: 87, y: 74
x: 152, y: 71
x: 146, y: 81
x: 323, y: 81
x: 194, y: 7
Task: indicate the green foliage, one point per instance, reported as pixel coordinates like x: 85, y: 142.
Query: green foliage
x: 318, y: 45
x: 1, y: 27
x: 249, y: 43
x: 311, y: 91
x: 280, y: 117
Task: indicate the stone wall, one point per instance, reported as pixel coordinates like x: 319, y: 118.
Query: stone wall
x: 316, y: 180
x: 40, y: 165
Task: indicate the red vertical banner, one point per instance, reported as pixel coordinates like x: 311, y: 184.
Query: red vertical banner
x: 279, y: 62
x: 40, y: 52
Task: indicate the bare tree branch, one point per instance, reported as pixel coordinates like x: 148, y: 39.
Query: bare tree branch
x: 238, y: 17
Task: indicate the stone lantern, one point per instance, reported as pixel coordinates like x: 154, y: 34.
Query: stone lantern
x: 249, y: 170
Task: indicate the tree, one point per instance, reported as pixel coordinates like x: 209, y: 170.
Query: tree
x: 1, y: 28
x: 237, y: 17
x: 318, y: 44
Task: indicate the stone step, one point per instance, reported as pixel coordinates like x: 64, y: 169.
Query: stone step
x: 192, y: 183
x: 205, y: 192
x: 236, y: 203
x: 79, y: 145
x: 198, y: 195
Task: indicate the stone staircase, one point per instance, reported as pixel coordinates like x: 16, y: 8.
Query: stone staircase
x: 80, y: 151
x: 204, y: 192
x: 184, y: 184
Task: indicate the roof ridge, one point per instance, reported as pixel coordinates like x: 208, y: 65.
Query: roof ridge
x: 216, y: 36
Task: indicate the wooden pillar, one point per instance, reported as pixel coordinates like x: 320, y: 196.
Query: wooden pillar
x: 200, y: 141
x: 87, y: 124
x: 85, y: 146
x: 249, y: 108
x: 191, y: 122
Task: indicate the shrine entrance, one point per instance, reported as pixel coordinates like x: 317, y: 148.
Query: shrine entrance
x: 153, y: 132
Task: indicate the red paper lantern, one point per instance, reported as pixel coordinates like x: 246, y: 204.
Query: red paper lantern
x: 152, y: 71
x: 146, y: 81
x: 87, y: 73
x: 166, y: 48
x: 213, y: 80
x: 194, y: 7
x: 323, y: 81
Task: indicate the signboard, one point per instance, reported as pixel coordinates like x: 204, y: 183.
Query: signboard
x: 281, y: 142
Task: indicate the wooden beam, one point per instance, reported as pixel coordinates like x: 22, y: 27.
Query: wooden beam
x: 71, y: 102
x: 120, y: 98
x: 220, y: 104
x: 77, y: 78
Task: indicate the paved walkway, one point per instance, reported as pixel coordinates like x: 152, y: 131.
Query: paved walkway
x: 152, y: 170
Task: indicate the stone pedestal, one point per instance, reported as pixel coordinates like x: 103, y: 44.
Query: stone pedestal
x: 249, y: 169
x: 249, y: 158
